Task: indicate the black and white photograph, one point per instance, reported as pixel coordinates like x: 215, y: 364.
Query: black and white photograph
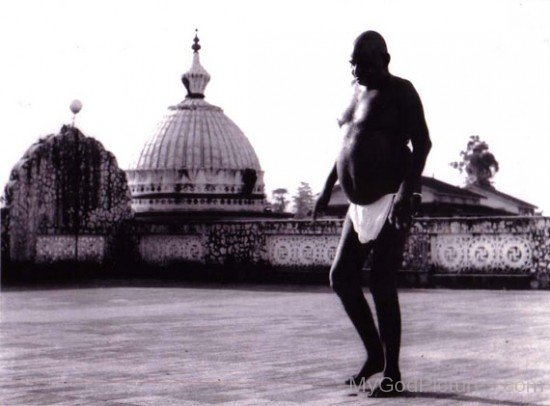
x: 275, y: 202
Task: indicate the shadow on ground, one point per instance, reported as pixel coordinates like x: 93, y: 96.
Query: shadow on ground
x: 463, y: 398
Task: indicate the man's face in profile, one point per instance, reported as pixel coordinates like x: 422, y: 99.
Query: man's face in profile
x: 369, y: 64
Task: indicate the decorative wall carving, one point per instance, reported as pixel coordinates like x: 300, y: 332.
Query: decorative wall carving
x: 449, y: 251
x: 235, y: 243
x: 290, y: 250
x: 516, y: 252
x: 463, y: 252
x: 163, y: 249
x: 85, y: 248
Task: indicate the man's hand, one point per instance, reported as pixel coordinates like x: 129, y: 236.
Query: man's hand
x: 401, y: 212
x: 416, y: 205
x: 321, y: 204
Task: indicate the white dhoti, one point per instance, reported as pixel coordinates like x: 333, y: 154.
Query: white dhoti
x: 369, y: 219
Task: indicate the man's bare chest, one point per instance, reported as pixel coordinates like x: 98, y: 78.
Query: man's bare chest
x: 375, y: 110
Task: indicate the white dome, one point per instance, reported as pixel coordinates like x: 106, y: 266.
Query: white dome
x: 198, y: 159
x: 195, y: 134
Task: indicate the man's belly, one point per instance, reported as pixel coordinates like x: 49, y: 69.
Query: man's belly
x: 370, y: 166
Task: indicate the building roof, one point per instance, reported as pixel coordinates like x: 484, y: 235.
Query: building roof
x: 443, y: 187
x: 440, y: 187
x: 450, y: 200
x: 503, y: 195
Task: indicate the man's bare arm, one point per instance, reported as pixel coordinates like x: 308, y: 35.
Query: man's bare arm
x: 324, y: 198
x: 417, y: 129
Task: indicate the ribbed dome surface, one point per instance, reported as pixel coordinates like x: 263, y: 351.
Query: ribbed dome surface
x: 196, y: 134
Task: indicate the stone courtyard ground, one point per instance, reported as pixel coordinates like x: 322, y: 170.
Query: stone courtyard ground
x: 249, y: 345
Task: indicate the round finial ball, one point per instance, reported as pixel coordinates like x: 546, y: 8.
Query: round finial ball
x: 76, y: 106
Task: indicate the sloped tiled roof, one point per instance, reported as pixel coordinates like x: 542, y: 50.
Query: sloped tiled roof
x: 503, y: 195
x: 443, y: 187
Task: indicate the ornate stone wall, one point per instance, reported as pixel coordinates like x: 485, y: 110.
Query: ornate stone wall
x: 266, y: 242
x: 65, y: 184
x: 501, y: 253
x: 5, y: 247
x: 471, y: 246
x: 302, y: 243
x: 517, y: 246
x: 482, y: 246
x: 165, y: 249
x: 293, y: 250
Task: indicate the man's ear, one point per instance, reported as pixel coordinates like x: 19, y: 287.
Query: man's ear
x: 387, y: 58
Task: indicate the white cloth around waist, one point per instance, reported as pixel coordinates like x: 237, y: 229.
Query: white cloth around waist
x: 369, y: 219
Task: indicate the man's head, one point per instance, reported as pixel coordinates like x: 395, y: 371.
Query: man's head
x: 370, y: 58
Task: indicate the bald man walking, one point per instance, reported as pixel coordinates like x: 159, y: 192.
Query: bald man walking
x: 379, y: 175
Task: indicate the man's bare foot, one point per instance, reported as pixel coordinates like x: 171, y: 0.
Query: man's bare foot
x: 369, y: 369
x: 388, y: 388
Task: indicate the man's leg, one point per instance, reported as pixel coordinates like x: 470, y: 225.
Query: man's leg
x: 345, y: 279
x: 387, y: 258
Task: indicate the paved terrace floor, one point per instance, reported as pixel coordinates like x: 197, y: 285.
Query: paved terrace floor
x: 264, y: 345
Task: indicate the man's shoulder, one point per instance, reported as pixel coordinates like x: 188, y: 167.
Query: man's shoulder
x: 405, y: 91
x: 401, y: 84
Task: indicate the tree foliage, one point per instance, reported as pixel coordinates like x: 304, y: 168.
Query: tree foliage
x: 279, y: 200
x: 303, y: 200
x: 479, y: 165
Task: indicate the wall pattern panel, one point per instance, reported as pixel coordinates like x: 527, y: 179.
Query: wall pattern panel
x: 163, y: 249
x: 291, y: 250
x: 466, y: 252
x: 85, y: 248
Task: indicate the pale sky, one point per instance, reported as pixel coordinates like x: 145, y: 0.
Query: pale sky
x: 280, y: 70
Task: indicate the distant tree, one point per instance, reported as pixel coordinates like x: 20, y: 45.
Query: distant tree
x: 303, y: 200
x: 279, y: 200
x: 478, y: 163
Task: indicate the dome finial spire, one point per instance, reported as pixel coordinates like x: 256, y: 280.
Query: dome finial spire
x: 196, y: 78
x: 195, y: 47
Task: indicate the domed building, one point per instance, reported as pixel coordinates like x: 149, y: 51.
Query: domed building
x: 198, y: 160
